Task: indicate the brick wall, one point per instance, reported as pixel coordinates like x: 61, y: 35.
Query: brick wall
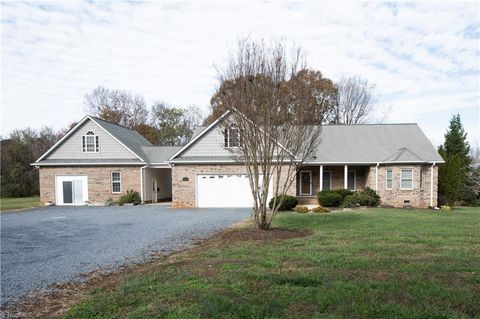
x: 418, y: 196
x: 99, y: 181
x: 183, y: 192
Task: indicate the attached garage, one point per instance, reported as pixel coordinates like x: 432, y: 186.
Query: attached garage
x: 223, y: 190
x: 71, y: 189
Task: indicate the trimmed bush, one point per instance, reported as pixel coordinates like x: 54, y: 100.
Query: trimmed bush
x: 351, y: 201
x: 329, y: 198
x: 320, y: 209
x: 344, y: 192
x: 289, y: 202
x: 130, y: 197
x: 372, y: 193
x: 301, y: 209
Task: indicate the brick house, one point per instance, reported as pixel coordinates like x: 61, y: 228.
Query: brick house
x: 98, y: 160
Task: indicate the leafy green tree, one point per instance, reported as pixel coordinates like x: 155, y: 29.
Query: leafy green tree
x: 23, y: 147
x: 174, y: 125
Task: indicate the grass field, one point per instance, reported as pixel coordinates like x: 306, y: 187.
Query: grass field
x: 7, y: 204
x: 379, y: 263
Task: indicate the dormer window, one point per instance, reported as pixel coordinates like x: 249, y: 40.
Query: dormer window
x: 232, y: 136
x: 90, y: 143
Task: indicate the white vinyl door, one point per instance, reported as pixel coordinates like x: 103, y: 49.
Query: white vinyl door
x: 71, y: 190
x: 223, y: 190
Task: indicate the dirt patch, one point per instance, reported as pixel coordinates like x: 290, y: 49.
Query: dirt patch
x: 250, y: 233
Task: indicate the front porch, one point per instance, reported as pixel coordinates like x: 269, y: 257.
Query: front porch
x: 313, y: 179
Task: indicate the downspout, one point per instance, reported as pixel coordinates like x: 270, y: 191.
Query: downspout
x: 141, y: 182
x: 376, y: 177
x: 431, y: 185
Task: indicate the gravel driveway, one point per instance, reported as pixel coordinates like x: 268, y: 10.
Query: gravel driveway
x: 47, y: 245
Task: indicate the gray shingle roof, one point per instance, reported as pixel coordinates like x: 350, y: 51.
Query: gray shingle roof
x: 130, y: 138
x: 159, y: 154
x: 368, y: 143
x: 373, y: 143
x: 88, y: 161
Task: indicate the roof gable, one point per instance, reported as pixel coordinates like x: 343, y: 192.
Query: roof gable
x: 115, y: 142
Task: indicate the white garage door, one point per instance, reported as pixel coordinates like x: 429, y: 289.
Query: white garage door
x: 71, y: 190
x: 223, y: 190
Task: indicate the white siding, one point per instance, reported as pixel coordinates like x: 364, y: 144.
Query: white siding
x: 164, y: 180
x: 210, y: 144
x: 71, y: 148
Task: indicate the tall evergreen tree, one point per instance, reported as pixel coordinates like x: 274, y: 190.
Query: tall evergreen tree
x: 455, y: 152
x: 456, y: 142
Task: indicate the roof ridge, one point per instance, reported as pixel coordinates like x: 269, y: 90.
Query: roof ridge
x: 122, y: 126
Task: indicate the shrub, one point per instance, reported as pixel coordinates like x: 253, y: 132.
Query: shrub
x: 344, y: 192
x: 320, y: 209
x: 367, y: 200
x: 370, y: 192
x: 110, y: 202
x: 351, y: 201
x: 329, y: 198
x: 301, y: 209
x: 130, y: 197
x: 445, y: 208
x: 289, y: 202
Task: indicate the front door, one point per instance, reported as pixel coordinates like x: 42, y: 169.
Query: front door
x: 305, y: 183
x: 154, y: 190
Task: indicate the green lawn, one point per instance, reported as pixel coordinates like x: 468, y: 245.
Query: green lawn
x: 7, y: 204
x: 380, y: 263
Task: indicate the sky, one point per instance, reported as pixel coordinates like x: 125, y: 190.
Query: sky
x: 423, y: 57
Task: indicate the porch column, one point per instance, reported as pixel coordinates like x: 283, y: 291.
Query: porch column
x: 345, y: 177
x: 321, y: 177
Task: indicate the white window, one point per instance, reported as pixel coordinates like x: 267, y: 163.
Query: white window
x: 327, y: 181
x: 232, y: 136
x: 389, y: 179
x: 351, y: 180
x: 90, y: 143
x: 406, y: 180
x: 116, y: 183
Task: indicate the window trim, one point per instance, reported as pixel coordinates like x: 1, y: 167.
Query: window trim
x: 401, y: 179
x: 96, y: 143
x: 354, y: 180
x: 330, y: 179
x: 119, y: 182
x: 300, y: 184
x: 226, y: 141
x: 386, y: 179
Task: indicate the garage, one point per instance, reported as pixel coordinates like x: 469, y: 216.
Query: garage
x: 223, y: 190
x: 71, y: 190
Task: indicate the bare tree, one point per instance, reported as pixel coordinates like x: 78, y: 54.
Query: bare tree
x: 266, y: 121
x: 355, y: 102
x: 116, y: 106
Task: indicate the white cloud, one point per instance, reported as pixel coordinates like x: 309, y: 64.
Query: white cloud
x: 423, y: 57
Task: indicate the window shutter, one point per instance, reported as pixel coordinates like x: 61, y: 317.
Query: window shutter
x: 96, y: 144
x: 83, y: 143
x: 225, y: 135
